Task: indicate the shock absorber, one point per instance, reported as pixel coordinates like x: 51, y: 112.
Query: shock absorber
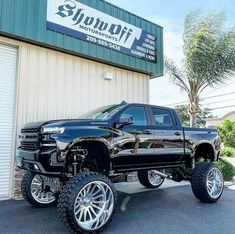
x: 75, y: 163
x: 79, y: 156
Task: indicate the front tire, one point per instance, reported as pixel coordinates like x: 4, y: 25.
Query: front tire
x: 207, y: 182
x: 40, y: 191
x: 150, y: 179
x: 87, y: 203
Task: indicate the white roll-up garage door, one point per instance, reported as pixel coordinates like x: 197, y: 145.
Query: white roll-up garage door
x: 8, y: 58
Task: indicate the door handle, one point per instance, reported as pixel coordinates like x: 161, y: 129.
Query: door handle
x: 178, y: 133
x: 147, y: 132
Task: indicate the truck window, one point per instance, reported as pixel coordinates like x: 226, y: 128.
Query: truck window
x: 138, y: 113
x: 162, y: 117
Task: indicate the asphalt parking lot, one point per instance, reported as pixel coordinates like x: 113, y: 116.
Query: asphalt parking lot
x: 167, y: 210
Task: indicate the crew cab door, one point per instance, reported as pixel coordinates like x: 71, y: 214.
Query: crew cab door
x: 169, y: 139
x: 135, y: 146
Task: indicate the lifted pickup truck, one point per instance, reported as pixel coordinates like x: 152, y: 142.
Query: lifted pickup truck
x: 77, y: 161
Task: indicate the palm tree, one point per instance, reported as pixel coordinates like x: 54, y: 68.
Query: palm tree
x: 209, y: 51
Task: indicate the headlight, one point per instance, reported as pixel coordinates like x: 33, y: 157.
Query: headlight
x: 51, y: 130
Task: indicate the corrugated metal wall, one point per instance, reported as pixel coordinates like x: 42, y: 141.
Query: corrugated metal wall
x: 54, y: 85
x: 27, y: 19
x: 8, y: 58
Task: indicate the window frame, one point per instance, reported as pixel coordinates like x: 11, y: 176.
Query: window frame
x: 154, y: 121
x: 148, y: 116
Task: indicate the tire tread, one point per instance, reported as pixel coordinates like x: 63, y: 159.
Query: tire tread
x: 143, y: 179
x: 198, y: 182
x: 26, y: 191
x: 67, y: 194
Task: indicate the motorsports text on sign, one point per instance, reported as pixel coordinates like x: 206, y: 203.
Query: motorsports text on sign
x: 75, y: 19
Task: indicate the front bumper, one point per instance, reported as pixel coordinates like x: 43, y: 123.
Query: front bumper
x: 30, y: 160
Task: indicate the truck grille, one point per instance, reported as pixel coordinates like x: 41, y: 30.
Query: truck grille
x: 29, y: 139
x: 29, y: 145
x: 30, y: 130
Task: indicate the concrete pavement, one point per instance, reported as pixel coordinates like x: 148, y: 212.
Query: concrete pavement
x: 167, y: 210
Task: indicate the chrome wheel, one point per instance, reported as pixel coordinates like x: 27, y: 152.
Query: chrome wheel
x: 154, y: 178
x: 215, y: 183
x: 94, y: 205
x: 43, y: 189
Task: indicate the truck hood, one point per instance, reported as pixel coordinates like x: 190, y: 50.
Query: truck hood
x: 67, y: 123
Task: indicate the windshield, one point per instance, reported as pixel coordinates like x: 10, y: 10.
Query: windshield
x: 102, y: 113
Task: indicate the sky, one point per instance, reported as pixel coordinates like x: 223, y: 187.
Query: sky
x: 171, y: 14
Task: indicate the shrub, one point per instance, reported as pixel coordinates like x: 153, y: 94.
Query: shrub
x: 227, y: 132
x: 228, y: 152
x: 227, y: 168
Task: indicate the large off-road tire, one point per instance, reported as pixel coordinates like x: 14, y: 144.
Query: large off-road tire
x: 150, y: 179
x: 207, y: 182
x: 87, y: 203
x: 36, y: 190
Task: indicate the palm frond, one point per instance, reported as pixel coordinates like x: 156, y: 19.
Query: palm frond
x: 176, y: 75
x: 196, y: 20
x: 209, y: 49
x: 221, y: 64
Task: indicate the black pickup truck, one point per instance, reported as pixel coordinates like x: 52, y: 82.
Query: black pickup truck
x: 75, y: 162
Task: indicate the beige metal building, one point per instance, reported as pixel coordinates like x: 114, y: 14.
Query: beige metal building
x: 214, y: 122
x: 43, y: 80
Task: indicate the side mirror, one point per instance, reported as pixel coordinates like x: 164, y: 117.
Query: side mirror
x: 125, y: 120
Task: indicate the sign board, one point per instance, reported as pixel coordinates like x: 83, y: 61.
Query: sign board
x: 75, y: 19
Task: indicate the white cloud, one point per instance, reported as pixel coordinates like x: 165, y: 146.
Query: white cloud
x: 173, y: 46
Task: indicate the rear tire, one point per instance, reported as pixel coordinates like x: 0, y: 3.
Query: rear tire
x: 37, y: 196
x: 87, y: 203
x: 150, y: 179
x: 207, y: 182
